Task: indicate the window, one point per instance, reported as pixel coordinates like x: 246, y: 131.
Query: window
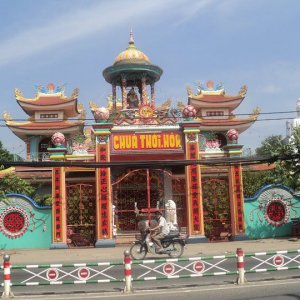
x: 214, y: 113
x: 48, y: 116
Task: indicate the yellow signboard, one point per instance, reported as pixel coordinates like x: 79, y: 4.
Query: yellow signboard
x: 146, y: 141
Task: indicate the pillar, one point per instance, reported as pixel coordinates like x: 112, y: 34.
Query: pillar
x: 193, y: 186
x: 152, y: 94
x: 124, y: 94
x: 59, y: 232
x: 237, y: 202
x: 144, y: 91
x: 236, y: 193
x: 114, y: 96
x: 104, y: 230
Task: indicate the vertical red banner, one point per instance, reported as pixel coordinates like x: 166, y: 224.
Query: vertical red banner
x: 237, y: 184
x: 57, y: 204
x: 194, y: 186
x: 104, y: 209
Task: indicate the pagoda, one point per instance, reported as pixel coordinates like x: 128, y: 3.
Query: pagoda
x: 48, y: 112
x: 214, y: 113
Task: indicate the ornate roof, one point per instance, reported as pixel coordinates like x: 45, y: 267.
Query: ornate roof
x: 223, y: 125
x: 131, y: 55
x: 50, y: 99
x: 215, y: 97
x: 132, y: 64
x: 24, y: 129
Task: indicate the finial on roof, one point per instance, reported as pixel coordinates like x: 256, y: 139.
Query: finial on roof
x: 131, y: 39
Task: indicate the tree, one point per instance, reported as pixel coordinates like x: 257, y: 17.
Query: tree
x: 269, y: 145
x: 285, y: 172
x: 290, y: 168
x: 5, y: 155
x: 254, y: 180
x: 11, y: 183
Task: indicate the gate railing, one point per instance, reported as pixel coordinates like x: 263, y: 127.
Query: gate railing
x: 142, y: 270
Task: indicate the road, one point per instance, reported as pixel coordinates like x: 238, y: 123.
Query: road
x: 156, y: 285
x: 264, y: 290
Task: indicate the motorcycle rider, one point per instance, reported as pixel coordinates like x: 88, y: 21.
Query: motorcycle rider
x: 159, y: 231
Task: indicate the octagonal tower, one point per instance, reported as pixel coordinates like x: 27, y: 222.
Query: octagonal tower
x: 132, y: 71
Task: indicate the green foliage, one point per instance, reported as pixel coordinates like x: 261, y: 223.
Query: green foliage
x: 253, y: 181
x: 270, y: 145
x: 286, y: 172
x: 5, y: 155
x: 11, y: 183
x: 290, y: 169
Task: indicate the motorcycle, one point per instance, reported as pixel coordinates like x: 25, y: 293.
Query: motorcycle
x: 173, y: 245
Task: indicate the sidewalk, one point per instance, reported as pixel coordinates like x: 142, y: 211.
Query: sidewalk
x: 80, y: 255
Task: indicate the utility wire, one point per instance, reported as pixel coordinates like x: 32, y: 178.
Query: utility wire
x: 155, y: 163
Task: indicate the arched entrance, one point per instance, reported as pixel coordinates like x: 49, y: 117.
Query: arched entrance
x: 216, y: 208
x: 81, y: 215
x: 147, y: 190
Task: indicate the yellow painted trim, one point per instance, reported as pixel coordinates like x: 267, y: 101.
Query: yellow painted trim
x: 102, y: 132
x: 84, y: 156
x: 57, y: 157
x: 191, y: 130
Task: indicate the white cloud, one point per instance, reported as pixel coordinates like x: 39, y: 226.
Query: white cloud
x: 78, y: 24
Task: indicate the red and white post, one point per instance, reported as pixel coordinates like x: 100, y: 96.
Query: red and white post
x: 7, y: 293
x: 240, y: 266
x: 127, y: 272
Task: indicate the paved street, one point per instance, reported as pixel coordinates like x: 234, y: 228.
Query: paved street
x: 76, y: 256
x: 39, y: 256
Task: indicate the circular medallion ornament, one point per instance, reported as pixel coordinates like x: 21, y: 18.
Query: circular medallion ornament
x: 276, y: 211
x: 146, y: 111
x: 13, y: 222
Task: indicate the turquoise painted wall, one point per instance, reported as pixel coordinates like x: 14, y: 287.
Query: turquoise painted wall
x: 35, y: 223
x: 258, y: 224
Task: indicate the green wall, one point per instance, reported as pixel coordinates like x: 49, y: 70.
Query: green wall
x: 258, y: 224
x: 37, y: 230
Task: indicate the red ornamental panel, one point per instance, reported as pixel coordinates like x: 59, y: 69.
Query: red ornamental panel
x: 104, y: 221
x: 194, y: 185
x: 237, y: 183
x: 57, y: 206
x: 14, y: 222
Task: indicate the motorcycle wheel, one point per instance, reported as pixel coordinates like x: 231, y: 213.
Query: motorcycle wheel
x: 176, y: 250
x: 138, y: 251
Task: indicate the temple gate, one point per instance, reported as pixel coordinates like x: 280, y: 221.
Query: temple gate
x: 81, y: 216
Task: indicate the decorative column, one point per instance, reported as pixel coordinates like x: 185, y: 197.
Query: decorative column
x: 237, y: 207
x: 114, y: 96
x: 104, y: 212
x: 233, y: 149
x: 152, y: 94
x: 144, y: 91
x: 59, y: 206
x: 124, y: 94
x: 193, y: 185
x: 59, y: 233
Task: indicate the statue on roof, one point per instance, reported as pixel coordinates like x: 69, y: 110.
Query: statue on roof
x: 132, y: 99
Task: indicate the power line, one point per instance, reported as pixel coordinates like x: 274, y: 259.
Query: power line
x: 180, y: 117
x: 155, y: 163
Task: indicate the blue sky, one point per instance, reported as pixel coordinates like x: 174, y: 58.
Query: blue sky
x: 236, y: 42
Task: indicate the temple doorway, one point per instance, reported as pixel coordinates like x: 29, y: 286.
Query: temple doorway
x: 81, y: 215
x: 147, y: 190
x: 216, y: 209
